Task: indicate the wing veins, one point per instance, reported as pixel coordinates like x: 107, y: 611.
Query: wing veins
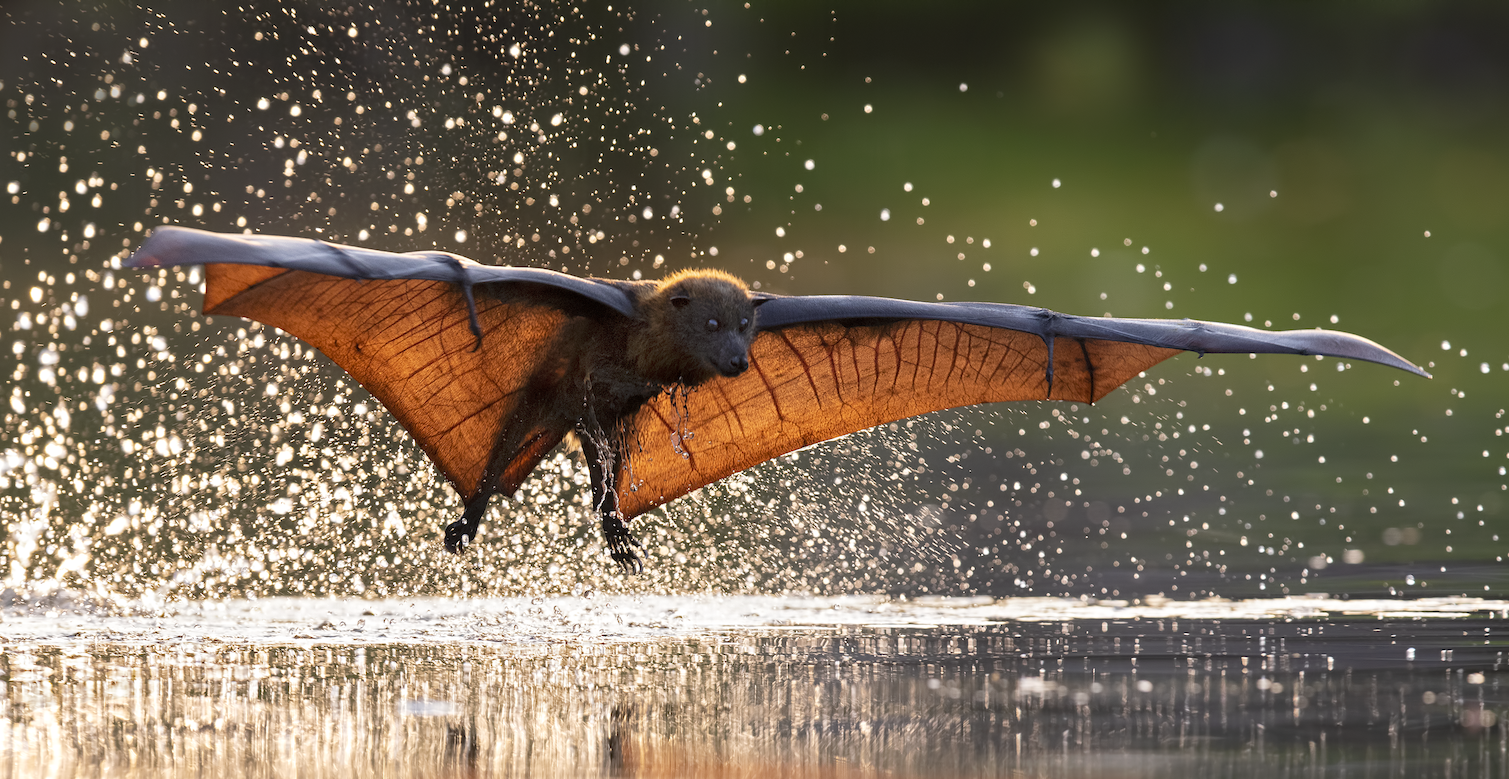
x: 806, y: 368
x: 1084, y: 349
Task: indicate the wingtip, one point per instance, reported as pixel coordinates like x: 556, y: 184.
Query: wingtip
x: 1400, y: 363
x: 1392, y: 360
x: 1403, y: 364
x: 1355, y: 347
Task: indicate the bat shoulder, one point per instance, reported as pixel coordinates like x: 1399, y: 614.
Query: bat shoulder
x: 636, y: 292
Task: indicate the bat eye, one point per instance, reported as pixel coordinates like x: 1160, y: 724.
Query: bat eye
x: 712, y: 324
x: 743, y: 324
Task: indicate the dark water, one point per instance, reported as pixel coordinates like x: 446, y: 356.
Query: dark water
x: 759, y: 687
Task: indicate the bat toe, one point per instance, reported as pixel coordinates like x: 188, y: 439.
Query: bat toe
x: 458, y: 537
x: 628, y: 562
x: 621, y: 544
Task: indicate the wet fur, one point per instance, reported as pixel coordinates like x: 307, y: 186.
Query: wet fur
x: 688, y: 329
x: 674, y: 345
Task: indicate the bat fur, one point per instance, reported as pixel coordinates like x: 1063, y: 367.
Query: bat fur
x: 686, y: 329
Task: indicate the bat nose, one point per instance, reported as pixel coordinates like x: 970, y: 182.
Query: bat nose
x: 736, y: 366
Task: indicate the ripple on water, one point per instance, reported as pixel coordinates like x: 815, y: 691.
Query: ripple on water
x: 744, y: 686
x: 64, y: 617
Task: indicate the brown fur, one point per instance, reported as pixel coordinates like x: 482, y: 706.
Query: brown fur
x: 675, y: 345
x: 688, y: 328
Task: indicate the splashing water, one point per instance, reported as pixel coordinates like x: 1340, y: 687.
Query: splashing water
x: 149, y: 454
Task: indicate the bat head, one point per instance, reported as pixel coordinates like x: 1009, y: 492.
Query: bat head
x: 699, y: 326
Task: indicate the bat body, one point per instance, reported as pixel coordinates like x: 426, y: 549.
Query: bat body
x: 668, y: 385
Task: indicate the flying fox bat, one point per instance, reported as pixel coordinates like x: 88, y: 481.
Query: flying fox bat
x: 668, y: 385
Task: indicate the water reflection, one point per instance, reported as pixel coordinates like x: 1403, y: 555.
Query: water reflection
x: 1134, y: 695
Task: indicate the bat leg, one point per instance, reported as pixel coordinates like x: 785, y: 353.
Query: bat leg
x: 602, y: 463
x: 460, y: 534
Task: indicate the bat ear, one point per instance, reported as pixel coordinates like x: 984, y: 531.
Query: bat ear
x: 680, y: 301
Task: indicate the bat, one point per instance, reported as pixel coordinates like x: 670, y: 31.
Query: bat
x: 667, y: 385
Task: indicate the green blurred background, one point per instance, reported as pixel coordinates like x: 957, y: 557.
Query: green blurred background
x: 1298, y: 163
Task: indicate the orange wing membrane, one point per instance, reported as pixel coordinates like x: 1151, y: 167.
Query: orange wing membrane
x: 408, y: 329
x: 826, y: 366
x: 409, y: 344
x: 823, y: 380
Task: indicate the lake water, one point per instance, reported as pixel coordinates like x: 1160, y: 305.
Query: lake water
x: 755, y: 686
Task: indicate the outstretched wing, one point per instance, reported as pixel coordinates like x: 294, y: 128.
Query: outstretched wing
x: 823, y: 367
x: 400, y: 325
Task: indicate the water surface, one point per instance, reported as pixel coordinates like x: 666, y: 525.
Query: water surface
x: 748, y: 686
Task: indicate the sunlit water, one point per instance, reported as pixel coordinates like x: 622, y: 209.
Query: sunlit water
x: 752, y: 686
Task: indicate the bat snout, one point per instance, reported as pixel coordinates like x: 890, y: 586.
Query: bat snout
x: 734, y: 366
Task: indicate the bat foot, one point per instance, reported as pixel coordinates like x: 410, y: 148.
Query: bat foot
x: 458, y: 536
x: 628, y: 562
x: 621, y: 545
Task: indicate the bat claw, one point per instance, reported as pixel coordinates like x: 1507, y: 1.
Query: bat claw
x: 621, y: 544
x: 628, y: 562
x: 458, y: 536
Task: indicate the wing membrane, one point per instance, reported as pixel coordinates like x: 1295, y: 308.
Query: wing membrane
x: 826, y: 379
x: 408, y: 342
